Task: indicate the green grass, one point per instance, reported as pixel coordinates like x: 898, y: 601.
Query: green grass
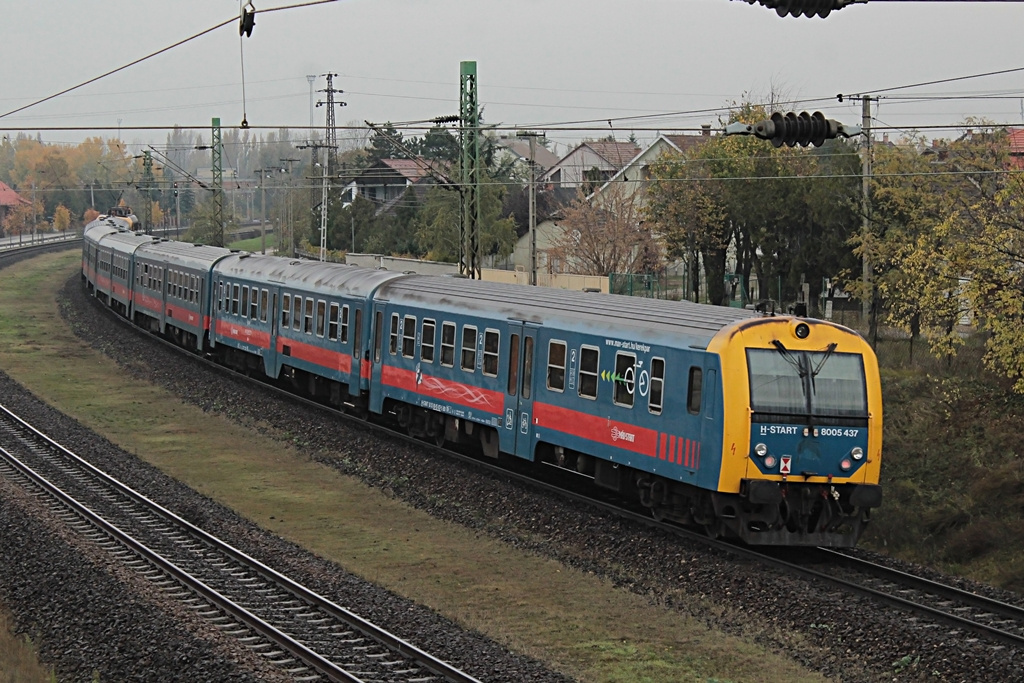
x: 18, y: 662
x: 575, y: 622
x: 255, y: 244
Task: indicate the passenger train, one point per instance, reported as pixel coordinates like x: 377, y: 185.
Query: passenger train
x: 763, y: 428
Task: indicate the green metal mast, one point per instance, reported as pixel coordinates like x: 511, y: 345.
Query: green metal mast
x: 147, y: 191
x: 469, y: 123
x: 218, y: 181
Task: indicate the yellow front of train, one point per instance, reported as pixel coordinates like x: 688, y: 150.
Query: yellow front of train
x: 802, y: 432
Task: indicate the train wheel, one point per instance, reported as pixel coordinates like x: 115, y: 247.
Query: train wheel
x: 489, y: 442
x: 713, y: 529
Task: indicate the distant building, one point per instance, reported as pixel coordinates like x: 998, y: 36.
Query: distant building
x: 9, y: 201
x: 385, y: 182
x: 589, y: 162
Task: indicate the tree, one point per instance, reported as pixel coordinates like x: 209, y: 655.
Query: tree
x: 606, y: 236
x: 61, y: 218
x: 205, y: 228
x: 439, y: 145
x: 437, y: 224
x: 383, y: 145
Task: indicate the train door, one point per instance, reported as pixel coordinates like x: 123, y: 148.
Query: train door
x: 518, y: 418
x: 377, y: 356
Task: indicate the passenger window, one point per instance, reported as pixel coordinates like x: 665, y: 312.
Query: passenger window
x: 308, y: 328
x: 321, y: 317
x: 220, y: 296
x: 527, y: 366
x: 448, y: 344
x: 297, y: 313
x: 393, y: 339
x: 357, y: 334
x: 194, y: 298
x: 234, y: 299
x: 245, y: 300
x: 254, y: 304
x: 286, y: 309
x: 332, y: 325
x: 556, y: 365
x: 264, y: 301
x: 589, y: 360
x: 491, y: 339
x: 625, y: 380
x: 378, y: 336
x: 654, y: 399
x: 427, y: 342
x: 468, y: 348
x: 513, y: 364
x: 344, y: 324
x: 409, y: 336
x: 693, y: 396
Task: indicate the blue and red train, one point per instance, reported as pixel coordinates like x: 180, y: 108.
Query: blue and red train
x: 765, y: 428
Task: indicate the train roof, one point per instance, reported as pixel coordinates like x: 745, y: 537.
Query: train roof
x: 125, y: 241
x: 697, y: 323
x: 317, y: 277
x: 185, y: 254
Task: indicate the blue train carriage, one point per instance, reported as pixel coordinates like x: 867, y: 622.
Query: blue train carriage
x: 302, y: 322
x: 173, y: 280
x: 96, y: 266
x: 802, y: 444
x: 115, y: 274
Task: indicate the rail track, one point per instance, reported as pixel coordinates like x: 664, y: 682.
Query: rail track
x: 301, y: 632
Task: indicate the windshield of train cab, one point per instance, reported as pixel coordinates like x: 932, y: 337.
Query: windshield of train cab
x: 791, y: 383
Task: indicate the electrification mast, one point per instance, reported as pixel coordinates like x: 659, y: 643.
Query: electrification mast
x: 469, y: 125
x: 218, y: 181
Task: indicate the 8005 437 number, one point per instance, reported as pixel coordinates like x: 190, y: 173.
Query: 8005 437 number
x: 838, y: 431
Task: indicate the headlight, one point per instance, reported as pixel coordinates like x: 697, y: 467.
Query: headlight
x: 760, y: 450
x: 857, y: 452
x: 802, y: 331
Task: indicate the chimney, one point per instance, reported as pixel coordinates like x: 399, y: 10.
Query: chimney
x: 705, y: 129
x: 885, y: 138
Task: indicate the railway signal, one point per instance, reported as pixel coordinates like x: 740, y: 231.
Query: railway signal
x: 806, y: 8
x: 795, y: 129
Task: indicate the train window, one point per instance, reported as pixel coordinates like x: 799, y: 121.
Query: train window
x: 297, y: 313
x: 332, y: 325
x: 264, y: 300
x: 245, y: 301
x: 590, y: 357
x: 193, y: 292
x: 234, y: 299
x: 468, y: 362
x: 321, y: 317
x: 254, y: 303
x: 409, y: 336
x: 378, y: 336
x: 286, y: 309
x: 695, y: 391
x: 199, y: 289
x: 393, y: 339
x: 308, y: 327
x: 344, y: 324
x: 527, y: 366
x: 448, y: 344
x: 655, y: 397
x: 625, y: 379
x: 513, y: 364
x: 491, y: 339
x: 427, y: 341
x: 556, y: 365
x: 357, y: 334
x: 220, y: 295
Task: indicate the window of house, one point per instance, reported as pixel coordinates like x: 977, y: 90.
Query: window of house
x: 468, y: 348
x: 491, y: 338
x: 448, y: 344
x: 589, y: 360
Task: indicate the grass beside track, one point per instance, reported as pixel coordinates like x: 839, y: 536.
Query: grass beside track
x: 576, y: 623
x: 18, y: 663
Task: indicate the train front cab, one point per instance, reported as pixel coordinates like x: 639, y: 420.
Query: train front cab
x: 802, y: 441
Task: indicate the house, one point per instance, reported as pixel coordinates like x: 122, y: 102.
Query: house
x: 518, y: 149
x: 385, y: 182
x: 1016, y: 141
x: 9, y: 201
x: 632, y: 176
x: 589, y: 162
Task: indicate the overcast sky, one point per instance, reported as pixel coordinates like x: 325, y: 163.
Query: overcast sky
x: 542, y: 64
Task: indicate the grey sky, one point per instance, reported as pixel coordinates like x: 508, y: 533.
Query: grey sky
x: 541, y: 64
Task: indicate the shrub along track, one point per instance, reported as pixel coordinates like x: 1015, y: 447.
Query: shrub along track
x: 844, y: 637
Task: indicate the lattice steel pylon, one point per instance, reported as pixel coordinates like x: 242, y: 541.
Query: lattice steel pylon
x: 218, y: 180
x: 331, y: 162
x: 469, y: 128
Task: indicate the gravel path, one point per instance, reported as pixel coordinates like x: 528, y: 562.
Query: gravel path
x: 849, y: 638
